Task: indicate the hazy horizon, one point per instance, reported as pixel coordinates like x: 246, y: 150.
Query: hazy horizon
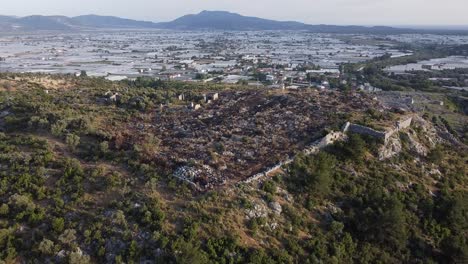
x: 338, y: 12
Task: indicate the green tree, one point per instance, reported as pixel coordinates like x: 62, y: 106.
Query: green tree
x: 119, y: 218
x: 58, y: 224
x: 4, y: 209
x: 355, y: 147
x: 103, y: 147
x: 453, y: 211
x: 72, y: 141
x: 313, y: 173
x: 46, y: 247
x: 381, y: 219
x: 78, y: 258
x: 68, y: 236
x: 188, y: 252
x: 133, y: 249
x: 58, y: 128
x: 83, y: 73
x: 22, y: 203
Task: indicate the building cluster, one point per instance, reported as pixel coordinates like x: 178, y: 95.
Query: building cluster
x: 274, y: 58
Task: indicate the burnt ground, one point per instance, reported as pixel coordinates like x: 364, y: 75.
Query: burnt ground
x: 242, y: 133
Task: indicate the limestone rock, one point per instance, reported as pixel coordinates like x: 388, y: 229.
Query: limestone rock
x: 392, y: 148
x: 258, y: 210
x: 416, y: 146
x: 276, y: 207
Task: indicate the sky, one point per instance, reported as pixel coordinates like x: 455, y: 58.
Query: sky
x: 339, y: 12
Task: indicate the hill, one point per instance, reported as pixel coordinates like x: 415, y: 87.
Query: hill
x: 6, y: 23
x: 44, y: 23
x: 220, y: 20
x: 86, y: 177
x: 96, y: 21
x: 37, y: 22
x: 205, y: 20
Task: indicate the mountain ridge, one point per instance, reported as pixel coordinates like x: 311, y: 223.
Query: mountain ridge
x: 205, y: 20
x: 223, y: 20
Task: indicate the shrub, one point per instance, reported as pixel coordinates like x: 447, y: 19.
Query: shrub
x: 72, y: 141
x: 58, y: 224
x: 46, y: 247
x: 313, y: 173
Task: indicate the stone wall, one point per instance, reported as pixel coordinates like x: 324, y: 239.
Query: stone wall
x: 265, y: 173
x: 385, y: 135
x: 404, y: 123
x: 333, y: 137
x: 363, y: 130
x: 313, y: 148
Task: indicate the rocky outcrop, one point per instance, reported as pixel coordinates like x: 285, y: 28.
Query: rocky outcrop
x: 257, y: 211
x: 427, y: 131
x: 269, y: 214
x: 276, y: 207
x: 414, y: 145
x: 200, y: 177
x: 420, y: 138
x: 392, y: 148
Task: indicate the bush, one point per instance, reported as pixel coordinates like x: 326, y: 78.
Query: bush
x: 72, y: 141
x: 188, y: 252
x: 58, y: 128
x: 67, y: 237
x: 269, y: 187
x: 313, y: 174
x: 46, y: 247
x: 58, y: 224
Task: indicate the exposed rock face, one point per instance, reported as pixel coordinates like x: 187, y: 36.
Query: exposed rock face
x: 404, y: 123
x: 258, y: 210
x: 421, y: 137
x: 415, y: 145
x: 391, y: 149
x: 201, y: 177
x: 435, y: 172
x: 428, y: 131
x: 273, y: 225
x: 331, y: 211
x: 286, y: 195
x: 276, y: 207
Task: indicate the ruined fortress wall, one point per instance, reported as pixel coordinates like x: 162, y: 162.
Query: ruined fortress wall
x: 353, y: 128
x: 404, y: 123
x: 265, y: 173
x: 346, y: 127
x: 333, y: 137
x: 313, y: 148
x: 385, y: 135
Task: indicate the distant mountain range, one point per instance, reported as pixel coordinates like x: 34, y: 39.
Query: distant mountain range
x: 31, y: 23
x: 220, y: 20
x: 206, y: 20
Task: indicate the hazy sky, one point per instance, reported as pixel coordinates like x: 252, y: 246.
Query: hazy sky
x: 366, y: 12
